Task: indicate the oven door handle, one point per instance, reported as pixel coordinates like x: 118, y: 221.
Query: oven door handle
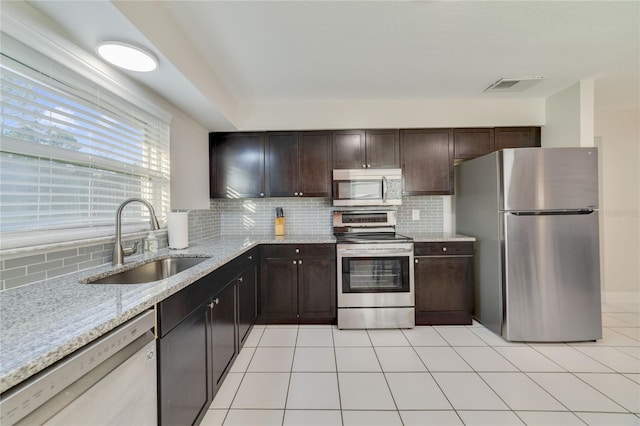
x: 373, y: 253
x: 384, y: 189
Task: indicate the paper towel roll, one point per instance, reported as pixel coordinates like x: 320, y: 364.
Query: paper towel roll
x: 178, y: 229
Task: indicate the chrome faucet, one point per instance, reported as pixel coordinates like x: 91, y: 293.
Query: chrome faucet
x: 119, y: 252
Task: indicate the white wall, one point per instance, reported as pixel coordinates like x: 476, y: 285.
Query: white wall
x: 619, y: 131
x: 189, y: 164
x: 398, y: 114
x: 569, y: 117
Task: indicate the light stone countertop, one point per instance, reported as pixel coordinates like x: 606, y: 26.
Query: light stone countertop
x: 43, y: 322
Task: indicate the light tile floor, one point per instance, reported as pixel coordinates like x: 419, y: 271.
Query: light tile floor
x: 319, y: 375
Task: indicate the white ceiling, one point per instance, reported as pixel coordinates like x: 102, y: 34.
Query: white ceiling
x: 217, y: 57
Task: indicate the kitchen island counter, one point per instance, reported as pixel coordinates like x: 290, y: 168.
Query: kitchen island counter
x: 43, y: 322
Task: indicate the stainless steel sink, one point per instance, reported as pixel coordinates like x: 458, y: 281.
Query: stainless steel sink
x: 151, y: 271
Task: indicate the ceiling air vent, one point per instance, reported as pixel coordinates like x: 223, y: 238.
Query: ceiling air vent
x: 513, y: 84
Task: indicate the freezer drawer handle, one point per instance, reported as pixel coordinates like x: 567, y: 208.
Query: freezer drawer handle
x: 553, y: 212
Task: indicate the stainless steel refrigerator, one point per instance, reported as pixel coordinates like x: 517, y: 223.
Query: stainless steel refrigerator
x: 534, y: 212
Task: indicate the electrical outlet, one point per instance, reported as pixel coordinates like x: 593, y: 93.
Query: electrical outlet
x: 415, y: 214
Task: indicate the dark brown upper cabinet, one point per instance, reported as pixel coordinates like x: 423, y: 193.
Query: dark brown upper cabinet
x: 298, y: 164
x: 427, y: 161
x: 237, y: 165
x: 472, y: 143
x: 357, y: 149
x: 516, y: 137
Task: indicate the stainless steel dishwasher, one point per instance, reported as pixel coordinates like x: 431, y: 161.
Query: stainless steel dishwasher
x: 111, y: 381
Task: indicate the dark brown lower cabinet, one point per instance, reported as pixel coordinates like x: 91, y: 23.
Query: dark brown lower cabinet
x: 443, y: 274
x: 298, y: 284
x: 183, y: 394
x: 201, y: 329
x: 222, y: 334
x: 247, y: 287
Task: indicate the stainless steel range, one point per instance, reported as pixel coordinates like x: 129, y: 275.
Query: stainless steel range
x: 375, y: 271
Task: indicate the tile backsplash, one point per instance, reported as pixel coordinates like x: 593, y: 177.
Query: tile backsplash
x: 224, y: 217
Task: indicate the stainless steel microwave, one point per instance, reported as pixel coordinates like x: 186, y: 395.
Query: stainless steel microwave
x: 367, y: 187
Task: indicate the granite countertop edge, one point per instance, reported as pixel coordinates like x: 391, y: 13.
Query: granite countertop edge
x: 35, y: 333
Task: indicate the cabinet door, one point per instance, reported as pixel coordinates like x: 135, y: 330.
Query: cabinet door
x: 239, y: 161
x: 282, y: 164
x: 472, y: 143
x: 349, y: 147
x: 444, y: 289
x: 383, y: 149
x: 314, y: 150
x: 278, y: 290
x: 517, y: 137
x: 427, y: 161
x: 317, y: 290
x: 247, y: 301
x: 223, y: 334
x: 182, y: 379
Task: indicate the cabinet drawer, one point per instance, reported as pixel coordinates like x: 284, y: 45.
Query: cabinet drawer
x: 298, y: 251
x: 443, y: 248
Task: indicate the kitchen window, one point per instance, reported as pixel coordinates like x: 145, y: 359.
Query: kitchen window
x: 71, y: 152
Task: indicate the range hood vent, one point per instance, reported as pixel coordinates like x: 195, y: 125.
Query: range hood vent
x: 513, y: 84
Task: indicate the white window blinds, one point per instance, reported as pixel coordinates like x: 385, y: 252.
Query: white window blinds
x: 71, y: 152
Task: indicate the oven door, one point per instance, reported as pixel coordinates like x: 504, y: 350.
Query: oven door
x: 375, y: 275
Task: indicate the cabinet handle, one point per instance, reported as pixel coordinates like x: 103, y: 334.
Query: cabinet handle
x: 415, y: 260
x: 214, y: 303
x: 240, y: 279
x: 294, y: 262
x: 301, y: 194
x: 299, y: 262
x: 295, y: 193
x: 297, y: 250
x: 262, y: 194
x: 250, y: 257
x: 368, y: 166
x: 364, y: 166
x: 444, y: 249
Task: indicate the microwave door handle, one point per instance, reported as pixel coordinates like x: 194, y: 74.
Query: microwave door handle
x: 384, y: 189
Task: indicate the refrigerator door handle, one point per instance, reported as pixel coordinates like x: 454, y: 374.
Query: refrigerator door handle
x: 553, y: 212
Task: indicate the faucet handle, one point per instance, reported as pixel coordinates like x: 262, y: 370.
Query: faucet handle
x: 131, y: 250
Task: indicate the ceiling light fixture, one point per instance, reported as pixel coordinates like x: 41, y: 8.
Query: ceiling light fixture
x: 127, y: 56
